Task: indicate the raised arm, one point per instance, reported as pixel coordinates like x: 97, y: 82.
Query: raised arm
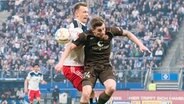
x: 138, y: 42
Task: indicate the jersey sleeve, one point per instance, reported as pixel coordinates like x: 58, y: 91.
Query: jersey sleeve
x: 116, y: 31
x: 81, y: 39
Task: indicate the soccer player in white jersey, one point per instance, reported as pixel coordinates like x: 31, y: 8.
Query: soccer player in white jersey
x: 73, y: 66
x: 75, y: 61
x: 31, y: 84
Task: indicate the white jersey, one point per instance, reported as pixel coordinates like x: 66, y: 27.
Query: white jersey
x: 34, y: 78
x: 76, y: 57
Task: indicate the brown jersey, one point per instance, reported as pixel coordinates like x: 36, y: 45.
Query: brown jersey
x: 97, y: 51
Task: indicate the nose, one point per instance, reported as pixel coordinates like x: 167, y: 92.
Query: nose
x: 103, y: 32
x: 87, y: 15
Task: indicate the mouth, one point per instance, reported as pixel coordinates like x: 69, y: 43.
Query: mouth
x: 85, y: 18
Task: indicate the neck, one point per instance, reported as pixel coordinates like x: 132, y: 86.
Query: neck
x: 84, y: 24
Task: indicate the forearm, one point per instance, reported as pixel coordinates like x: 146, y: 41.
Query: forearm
x: 66, y: 52
x: 132, y: 37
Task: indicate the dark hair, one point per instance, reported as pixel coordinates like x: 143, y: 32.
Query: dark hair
x: 96, y: 22
x: 77, y: 6
x: 35, y: 64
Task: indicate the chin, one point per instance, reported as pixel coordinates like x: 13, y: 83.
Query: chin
x: 85, y: 21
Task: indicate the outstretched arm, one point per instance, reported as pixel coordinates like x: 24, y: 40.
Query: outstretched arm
x: 132, y: 37
x: 43, y: 82
x: 69, y: 47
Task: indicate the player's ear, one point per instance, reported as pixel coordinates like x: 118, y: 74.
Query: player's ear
x: 76, y: 13
x: 92, y: 29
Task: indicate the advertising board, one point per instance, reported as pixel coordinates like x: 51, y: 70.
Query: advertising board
x: 147, y: 97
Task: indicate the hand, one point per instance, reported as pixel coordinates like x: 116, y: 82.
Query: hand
x: 59, y: 67
x: 144, y: 48
x: 43, y: 82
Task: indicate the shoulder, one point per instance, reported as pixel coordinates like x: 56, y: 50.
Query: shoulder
x: 115, y: 31
x: 85, y: 34
x: 71, y: 26
x: 82, y: 38
x: 31, y: 73
x: 74, y: 24
x: 40, y: 74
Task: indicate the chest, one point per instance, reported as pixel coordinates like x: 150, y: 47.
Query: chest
x: 94, y: 43
x: 35, y: 77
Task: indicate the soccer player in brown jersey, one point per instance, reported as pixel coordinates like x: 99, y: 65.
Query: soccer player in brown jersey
x: 97, y: 42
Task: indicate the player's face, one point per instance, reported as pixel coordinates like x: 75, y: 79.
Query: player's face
x: 99, y: 31
x: 36, y: 68
x: 82, y: 14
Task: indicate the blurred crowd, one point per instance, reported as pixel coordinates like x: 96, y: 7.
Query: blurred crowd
x: 16, y: 96
x: 28, y: 33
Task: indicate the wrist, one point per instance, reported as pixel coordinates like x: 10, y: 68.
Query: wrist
x: 141, y: 45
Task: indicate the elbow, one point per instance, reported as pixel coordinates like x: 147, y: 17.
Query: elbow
x: 129, y: 34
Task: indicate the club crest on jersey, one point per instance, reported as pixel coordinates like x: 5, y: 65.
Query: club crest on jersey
x: 100, y: 44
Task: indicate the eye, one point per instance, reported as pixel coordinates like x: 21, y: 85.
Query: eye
x: 99, y: 30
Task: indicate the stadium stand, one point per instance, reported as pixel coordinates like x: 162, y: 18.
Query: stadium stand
x: 28, y: 35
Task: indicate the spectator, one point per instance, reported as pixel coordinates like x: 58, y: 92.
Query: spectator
x: 55, y: 94
x: 4, y: 99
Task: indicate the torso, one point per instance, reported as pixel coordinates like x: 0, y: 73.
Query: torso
x: 97, y: 51
x: 34, y: 80
x: 76, y: 57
